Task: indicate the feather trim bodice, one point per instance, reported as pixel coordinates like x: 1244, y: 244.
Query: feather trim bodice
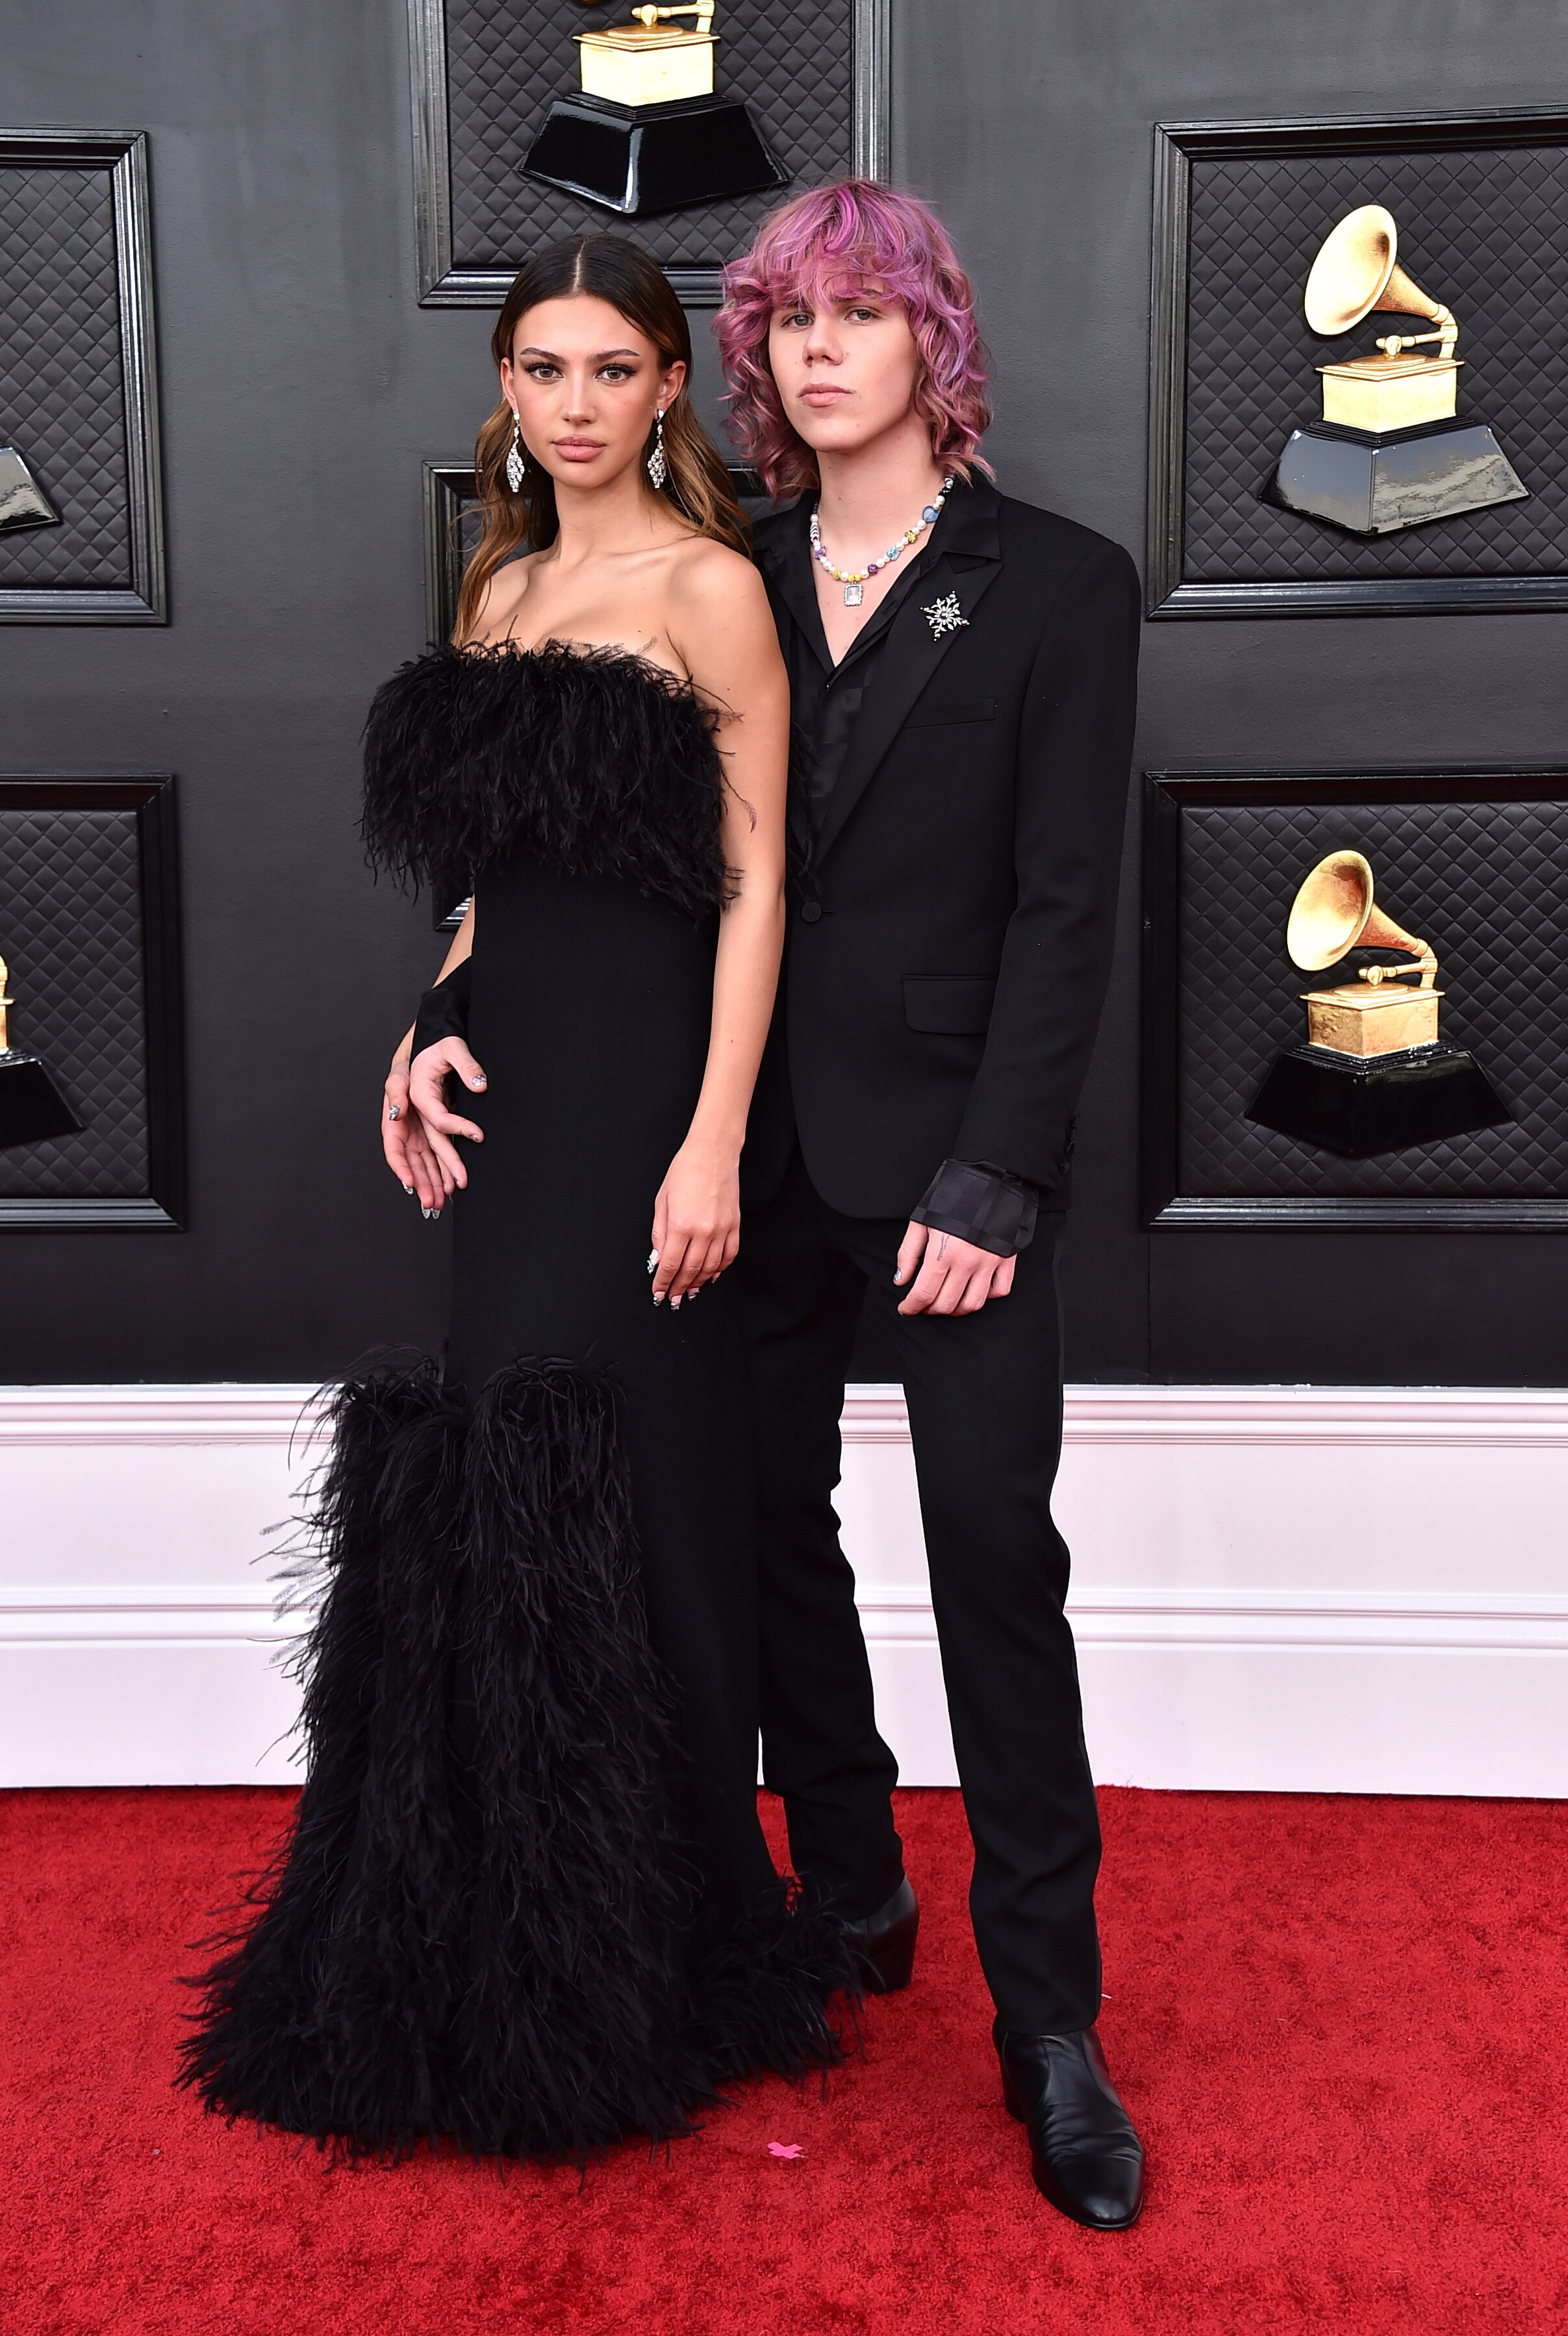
x: 593, y: 762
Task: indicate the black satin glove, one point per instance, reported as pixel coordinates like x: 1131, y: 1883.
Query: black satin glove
x: 443, y: 1010
x: 976, y: 1202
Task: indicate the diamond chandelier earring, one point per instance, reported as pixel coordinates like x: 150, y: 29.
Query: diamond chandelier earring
x: 657, y: 467
x: 515, y: 455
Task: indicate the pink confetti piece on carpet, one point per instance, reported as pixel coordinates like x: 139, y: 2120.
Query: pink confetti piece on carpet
x: 785, y: 2149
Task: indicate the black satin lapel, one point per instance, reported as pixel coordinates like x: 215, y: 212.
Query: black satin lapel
x: 909, y: 657
x: 786, y: 566
x: 795, y: 585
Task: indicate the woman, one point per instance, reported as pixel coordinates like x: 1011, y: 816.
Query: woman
x: 527, y: 1905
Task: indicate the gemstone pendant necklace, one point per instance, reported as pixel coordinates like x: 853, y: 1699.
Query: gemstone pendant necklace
x: 855, y: 579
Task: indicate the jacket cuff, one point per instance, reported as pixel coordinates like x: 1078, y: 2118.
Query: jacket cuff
x: 443, y: 1010
x: 976, y: 1202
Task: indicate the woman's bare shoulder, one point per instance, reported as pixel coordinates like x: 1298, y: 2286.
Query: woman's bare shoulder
x: 710, y: 576
x: 502, y: 597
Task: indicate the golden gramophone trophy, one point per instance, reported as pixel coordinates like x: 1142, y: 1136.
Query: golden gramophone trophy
x: 647, y: 132
x: 1374, y: 1075
x: 31, y: 1105
x: 1391, y: 450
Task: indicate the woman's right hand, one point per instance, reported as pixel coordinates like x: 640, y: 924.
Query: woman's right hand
x: 432, y: 1148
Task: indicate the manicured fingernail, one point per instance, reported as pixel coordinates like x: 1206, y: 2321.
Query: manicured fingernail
x: 430, y: 1213
x: 652, y: 1259
x: 391, y: 1111
x: 478, y: 1080
x: 675, y: 1305
x: 659, y: 1298
x: 409, y: 1189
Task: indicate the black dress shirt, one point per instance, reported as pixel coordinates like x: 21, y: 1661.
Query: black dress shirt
x: 974, y: 1200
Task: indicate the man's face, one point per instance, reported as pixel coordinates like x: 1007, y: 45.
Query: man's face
x: 845, y: 369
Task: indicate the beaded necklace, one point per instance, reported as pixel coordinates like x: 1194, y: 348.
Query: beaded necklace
x: 855, y: 579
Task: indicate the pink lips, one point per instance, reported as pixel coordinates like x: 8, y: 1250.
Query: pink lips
x: 578, y: 449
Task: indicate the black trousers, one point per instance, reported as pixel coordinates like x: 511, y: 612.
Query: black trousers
x: 984, y: 1402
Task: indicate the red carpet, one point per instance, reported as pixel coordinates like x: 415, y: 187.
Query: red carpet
x: 1339, y: 2023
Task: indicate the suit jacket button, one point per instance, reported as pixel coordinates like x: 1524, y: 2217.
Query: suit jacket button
x: 811, y: 912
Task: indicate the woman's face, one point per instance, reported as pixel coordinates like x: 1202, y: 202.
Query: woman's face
x: 584, y: 385
x: 845, y: 369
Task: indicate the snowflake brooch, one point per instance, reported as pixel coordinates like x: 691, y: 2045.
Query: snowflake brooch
x: 944, y: 616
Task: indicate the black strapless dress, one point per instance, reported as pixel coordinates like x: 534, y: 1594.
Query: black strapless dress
x: 526, y: 1905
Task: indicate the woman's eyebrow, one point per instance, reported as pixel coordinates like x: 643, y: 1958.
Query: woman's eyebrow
x: 553, y: 359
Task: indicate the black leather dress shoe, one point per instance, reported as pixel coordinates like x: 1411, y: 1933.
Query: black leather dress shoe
x: 883, y: 1943
x: 1088, y: 2160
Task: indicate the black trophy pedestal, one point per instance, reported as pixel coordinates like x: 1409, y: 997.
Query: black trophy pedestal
x: 637, y: 159
x: 23, y: 502
x: 1373, y: 482
x: 31, y: 1105
x: 1358, y: 1107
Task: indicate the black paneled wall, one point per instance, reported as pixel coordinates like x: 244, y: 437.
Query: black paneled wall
x: 301, y: 389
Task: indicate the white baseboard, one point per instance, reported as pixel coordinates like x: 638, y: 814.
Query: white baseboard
x: 1293, y: 1589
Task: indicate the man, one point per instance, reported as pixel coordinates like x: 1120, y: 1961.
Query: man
x: 962, y: 675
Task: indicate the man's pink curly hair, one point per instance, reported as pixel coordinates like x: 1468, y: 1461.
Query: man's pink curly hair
x: 829, y: 244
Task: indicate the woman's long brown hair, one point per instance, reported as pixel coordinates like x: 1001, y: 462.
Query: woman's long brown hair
x: 698, y: 485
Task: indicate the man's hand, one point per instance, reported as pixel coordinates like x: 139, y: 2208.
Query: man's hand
x: 440, y: 1168
x: 402, y: 1140
x: 953, y: 1276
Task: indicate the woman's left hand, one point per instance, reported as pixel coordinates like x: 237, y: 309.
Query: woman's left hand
x: 696, y: 1220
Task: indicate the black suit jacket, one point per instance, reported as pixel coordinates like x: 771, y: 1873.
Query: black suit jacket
x: 949, y: 934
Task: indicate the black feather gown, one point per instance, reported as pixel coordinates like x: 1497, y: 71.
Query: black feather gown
x: 526, y: 1907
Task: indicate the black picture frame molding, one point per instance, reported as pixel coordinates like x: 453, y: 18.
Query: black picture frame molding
x: 1177, y: 145
x: 124, y: 153
x: 1162, y: 1208
x: 165, y: 1207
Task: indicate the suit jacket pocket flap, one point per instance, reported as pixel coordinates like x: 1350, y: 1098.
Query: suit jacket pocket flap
x: 952, y: 1005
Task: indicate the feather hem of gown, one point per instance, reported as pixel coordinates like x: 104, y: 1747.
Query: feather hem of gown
x: 500, y: 1949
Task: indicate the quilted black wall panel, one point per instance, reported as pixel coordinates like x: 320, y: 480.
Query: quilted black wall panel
x: 61, y: 360
x: 77, y: 390
x: 93, y: 996
x: 490, y: 70
x: 1481, y: 879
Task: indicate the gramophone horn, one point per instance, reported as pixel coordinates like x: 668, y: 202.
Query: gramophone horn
x: 1356, y: 270
x: 1332, y: 914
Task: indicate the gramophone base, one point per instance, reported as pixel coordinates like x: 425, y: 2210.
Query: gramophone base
x: 638, y: 159
x: 1359, y: 1107
x: 31, y: 1107
x: 23, y: 502
x: 1373, y: 484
